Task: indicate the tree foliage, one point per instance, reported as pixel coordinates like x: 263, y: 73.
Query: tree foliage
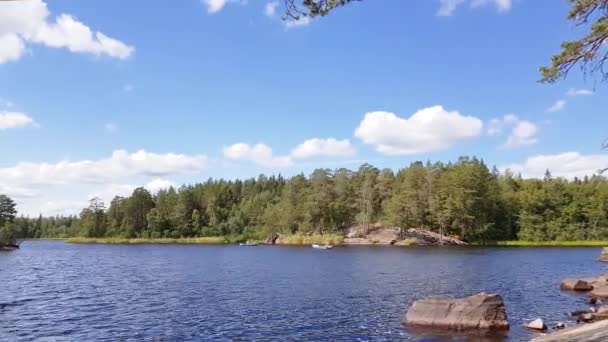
x: 590, y: 52
x: 464, y: 198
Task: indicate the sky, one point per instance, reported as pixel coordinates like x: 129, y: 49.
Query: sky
x: 100, y: 97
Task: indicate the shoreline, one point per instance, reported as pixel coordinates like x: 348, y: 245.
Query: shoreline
x: 308, y: 240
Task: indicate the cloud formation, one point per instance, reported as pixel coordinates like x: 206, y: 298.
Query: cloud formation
x: 324, y: 147
x: 557, y: 106
x: 579, y: 92
x: 259, y: 153
x: 448, y: 7
x: 567, y: 165
x: 428, y: 130
x: 214, y: 6
x: 29, y: 22
x: 121, y: 164
x: 14, y: 120
x: 270, y: 8
x: 263, y: 154
x: 523, y: 132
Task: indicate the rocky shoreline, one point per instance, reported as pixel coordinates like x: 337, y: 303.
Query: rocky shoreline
x: 485, y: 313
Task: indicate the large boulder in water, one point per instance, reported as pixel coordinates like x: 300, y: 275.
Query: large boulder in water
x: 576, y: 285
x: 482, y: 311
x: 604, y: 255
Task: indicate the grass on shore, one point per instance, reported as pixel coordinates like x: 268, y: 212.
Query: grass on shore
x: 139, y: 241
x: 517, y: 243
x: 328, y: 239
x: 407, y: 242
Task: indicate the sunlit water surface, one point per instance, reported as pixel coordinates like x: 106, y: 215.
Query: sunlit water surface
x: 53, y: 291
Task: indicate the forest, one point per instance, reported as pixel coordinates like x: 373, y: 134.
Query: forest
x: 464, y: 198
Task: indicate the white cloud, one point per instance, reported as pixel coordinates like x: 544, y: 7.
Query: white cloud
x: 324, y: 147
x: 11, y: 48
x: 61, y: 207
x: 557, y: 106
x: 579, y: 92
x: 496, y: 125
x: 214, y: 6
x: 501, y: 5
x: 428, y: 130
x: 567, y: 165
x: 28, y: 21
x: 111, y: 127
x: 270, y: 8
x: 259, y: 153
x: 292, y: 23
x: 159, y: 184
x: 108, y: 193
x: 14, y: 120
x: 119, y: 165
x: 447, y: 7
x: 523, y: 133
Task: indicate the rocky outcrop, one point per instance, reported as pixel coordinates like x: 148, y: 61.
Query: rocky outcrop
x: 593, y: 332
x: 375, y: 234
x: 482, y: 311
x: 425, y: 237
x: 378, y: 234
x: 597, y: 287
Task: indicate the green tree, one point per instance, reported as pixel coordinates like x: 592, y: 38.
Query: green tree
x: 137, y: 208
x: 589, y: 51
x: 7, y: 210
x: 93, y: 218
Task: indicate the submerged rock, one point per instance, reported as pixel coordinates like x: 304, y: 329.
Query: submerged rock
x: 481, y: 311
x: 537, y: 324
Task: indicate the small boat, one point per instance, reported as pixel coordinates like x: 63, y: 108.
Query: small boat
x: 322, y: 246
x: 248, y: 244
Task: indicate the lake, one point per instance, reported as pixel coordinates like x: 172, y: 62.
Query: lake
x: 53, y: 291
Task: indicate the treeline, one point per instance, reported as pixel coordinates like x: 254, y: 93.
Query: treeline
x: 464, y: 198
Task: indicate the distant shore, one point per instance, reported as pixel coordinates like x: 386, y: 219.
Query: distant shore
x: 522, y: 243
x: 292, y: 240
x: 301, y: 240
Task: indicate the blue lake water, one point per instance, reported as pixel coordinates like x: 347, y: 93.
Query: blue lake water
x: 53, y: 291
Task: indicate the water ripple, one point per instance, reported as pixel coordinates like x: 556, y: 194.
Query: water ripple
x: 53, y: 291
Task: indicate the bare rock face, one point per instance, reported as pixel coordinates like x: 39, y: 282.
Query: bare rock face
x: 600, y: 291
x: 537, y: 324
x: 594, y: 332
x: 604, y: 254
x: 425, y: 237
x: 479, y: 312
x: 575, y: 285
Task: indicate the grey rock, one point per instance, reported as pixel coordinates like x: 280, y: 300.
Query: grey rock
x: 482, y: 311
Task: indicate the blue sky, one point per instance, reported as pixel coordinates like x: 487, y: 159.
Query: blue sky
x: 198, y: 89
